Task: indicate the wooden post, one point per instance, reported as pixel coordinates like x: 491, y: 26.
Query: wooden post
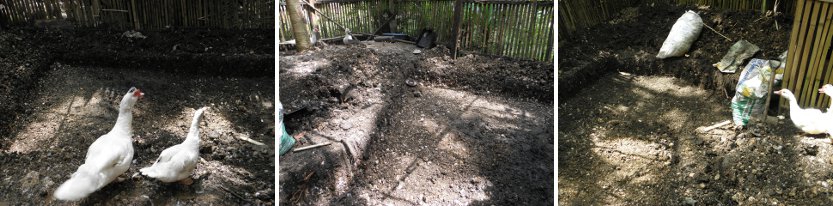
x: 394, y: 14
x: 550, y: 42
x: 299, y: 29
x: 458, y: 16
x: 313, y: 17
x: 134, y: 12
x: 96, y: 10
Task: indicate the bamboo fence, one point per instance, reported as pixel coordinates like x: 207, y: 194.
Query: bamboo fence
x: 520, y: 29
x: 808, y: 60
x: 143, y: 14
x: 577, y: 14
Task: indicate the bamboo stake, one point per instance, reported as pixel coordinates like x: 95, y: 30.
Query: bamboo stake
x: 813, y: 82
x: 311, y: 147
x: 796, y: 42
x: 715, y: 31
x: 828, y: 64
x: 802, y: 72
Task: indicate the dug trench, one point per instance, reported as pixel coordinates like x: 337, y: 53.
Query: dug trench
x: 410, y: 129
x: 627, y: 121
x: 61, y: 89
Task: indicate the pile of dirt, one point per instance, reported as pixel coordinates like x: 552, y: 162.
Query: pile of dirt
x: 401, y: 124
x: 631, y: 46
x: 22, y: 62
x: 640, y: 147
x: 58, y: 102
x: 627, y: 121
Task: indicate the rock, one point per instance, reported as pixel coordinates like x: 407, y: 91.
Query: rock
x: 689, y: 201
x: 410, y: 82
x: 30, y: 180
x: 346, y: 125
x: 214, y: 134
x: 417, y: 94
x: 807, y: 149
x: 266, y: 194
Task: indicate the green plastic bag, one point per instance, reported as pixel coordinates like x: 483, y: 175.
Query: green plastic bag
x: 286, y: 141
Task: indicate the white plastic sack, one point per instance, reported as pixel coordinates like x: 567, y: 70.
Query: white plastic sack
x: 752, y: 89
x: 682, y: 35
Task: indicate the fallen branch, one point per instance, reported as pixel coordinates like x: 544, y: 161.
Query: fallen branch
x: 310, y: 147
x: 715, y: 31
x: 250, y: 140
x: 115, y: 10
x: 709, y: 128
x: 323, y: 15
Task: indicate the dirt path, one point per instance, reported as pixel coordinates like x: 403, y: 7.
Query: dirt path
x: 630, y: 140
x: 461, y: 135
x: 75, y: 105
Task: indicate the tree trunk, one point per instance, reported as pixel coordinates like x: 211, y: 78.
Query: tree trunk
x: 299, y: 26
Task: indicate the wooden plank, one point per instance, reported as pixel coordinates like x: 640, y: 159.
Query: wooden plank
x: 525, y: 50
x: 485, y: 10
x: 539, y: 27
x: 467, y: 12
x: 513, y: 21
x: 802, y: 71
x: 547, y: 28
x: 550, y: 38
x: 796, y: 44
x: 812, y: 68
x: 826, y: 63
x: 503, y: 31
x: 822, y: 64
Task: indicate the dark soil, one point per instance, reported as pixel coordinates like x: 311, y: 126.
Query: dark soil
x: 475, y: 130
x: 58, y: 104
x: 630, y: 42
x: 627, y: 121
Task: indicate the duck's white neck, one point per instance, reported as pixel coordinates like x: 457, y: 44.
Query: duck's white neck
x: 124, y: 122
x: 831, y: 102
x: 793, y: 105
x: 193, y: 137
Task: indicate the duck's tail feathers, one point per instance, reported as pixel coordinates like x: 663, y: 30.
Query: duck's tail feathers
x: 79, y: 186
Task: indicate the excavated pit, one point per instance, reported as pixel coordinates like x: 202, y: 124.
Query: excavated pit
x: 62, y: 90
x: 627, y: 121
x: 415, y: 129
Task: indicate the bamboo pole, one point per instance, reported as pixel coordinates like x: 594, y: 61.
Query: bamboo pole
x: 796, y: 41
x: 826, y: 63
x: 806, y: 51
x: 812, y: 58
x: 818, y: 57
x: 458, y: 17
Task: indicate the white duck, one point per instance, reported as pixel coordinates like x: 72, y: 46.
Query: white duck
x: 177, y: 162
x: 348, y: 38
x: 827, y: 89
x: 107, y: 158
x: 810, y: 121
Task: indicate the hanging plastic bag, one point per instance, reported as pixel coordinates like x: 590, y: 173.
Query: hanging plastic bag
x: 684, y: 32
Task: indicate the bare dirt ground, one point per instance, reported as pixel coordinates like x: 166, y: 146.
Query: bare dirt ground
x: 472, y: 131
x: 60, y: 108
x: 627, y: 122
